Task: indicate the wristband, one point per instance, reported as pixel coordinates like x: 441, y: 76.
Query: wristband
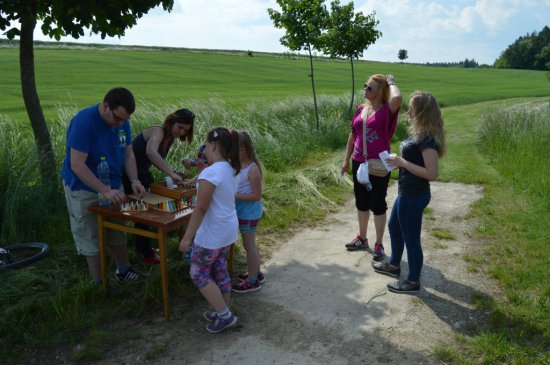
x: 135, y: 181
x: 392, y: 83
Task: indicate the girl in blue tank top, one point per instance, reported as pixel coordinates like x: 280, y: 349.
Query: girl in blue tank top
x: 248, y: 202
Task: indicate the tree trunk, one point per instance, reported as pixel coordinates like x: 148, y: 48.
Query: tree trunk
x: 352, y: 86
x: 32, y: 102
x: 313, y: 85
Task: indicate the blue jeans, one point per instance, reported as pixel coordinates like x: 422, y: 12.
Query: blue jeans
x: 405, y: 225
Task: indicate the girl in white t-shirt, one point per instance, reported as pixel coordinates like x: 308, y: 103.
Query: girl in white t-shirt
x: 214, y: 226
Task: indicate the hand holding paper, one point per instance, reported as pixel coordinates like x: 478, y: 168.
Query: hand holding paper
x: 385, y: 155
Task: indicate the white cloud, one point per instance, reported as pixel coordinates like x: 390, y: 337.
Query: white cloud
x: 495, y: 14
x: 466, y: 19
x: 217, y: 12
x: 216, y: 24
x: 450, y: 31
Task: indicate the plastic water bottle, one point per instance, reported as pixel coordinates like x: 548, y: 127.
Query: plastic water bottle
x: 103, y: 172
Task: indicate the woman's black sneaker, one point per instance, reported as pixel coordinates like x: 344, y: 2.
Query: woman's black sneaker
x: 404, y: 286
x: 386, y: 269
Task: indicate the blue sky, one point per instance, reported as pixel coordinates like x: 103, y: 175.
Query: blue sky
x: 431, y: 31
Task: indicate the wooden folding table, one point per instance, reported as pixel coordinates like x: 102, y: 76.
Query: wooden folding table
x: 164, y: 222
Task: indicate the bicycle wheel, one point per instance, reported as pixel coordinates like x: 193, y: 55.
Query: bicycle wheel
x: 15, y: 256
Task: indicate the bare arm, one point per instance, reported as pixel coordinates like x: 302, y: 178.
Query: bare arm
x: 395, y: 95
x: 349, y: 150
x: 430, y: 169
x: 151, y: 150
x: 79, y: 167
x: 256, y: 181
x: 131, y: 171
x: 206, y: 191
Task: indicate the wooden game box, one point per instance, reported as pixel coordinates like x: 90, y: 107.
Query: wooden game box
x: 174, y: 193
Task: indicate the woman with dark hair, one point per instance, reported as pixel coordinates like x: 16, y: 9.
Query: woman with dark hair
x: 150, y: 148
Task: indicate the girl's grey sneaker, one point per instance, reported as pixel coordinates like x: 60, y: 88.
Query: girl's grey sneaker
x: 386, y: 269
x: 404, y: 286
x: 210, y: 316
x: 221, y: 324
x: 358, y: 244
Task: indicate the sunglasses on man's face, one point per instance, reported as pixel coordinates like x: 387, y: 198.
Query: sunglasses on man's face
x: 118, y: 118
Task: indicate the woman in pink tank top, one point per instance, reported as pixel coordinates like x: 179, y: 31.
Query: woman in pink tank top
x: 379, y: 114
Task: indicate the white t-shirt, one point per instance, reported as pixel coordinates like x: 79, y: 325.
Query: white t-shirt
x: 220, y: 226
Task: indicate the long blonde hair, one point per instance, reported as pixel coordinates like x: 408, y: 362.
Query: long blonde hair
x: 246, y: 143
x: 426, y: 119
x: 383, y: 87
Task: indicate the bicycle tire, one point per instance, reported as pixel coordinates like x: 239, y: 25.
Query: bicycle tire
x: 23, y: 254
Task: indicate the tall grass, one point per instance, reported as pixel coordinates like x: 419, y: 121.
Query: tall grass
x: 52, y: 302
x: 29, y: 207
x: 515, y: 215
x: 517, y: 141
x: 282, y: 131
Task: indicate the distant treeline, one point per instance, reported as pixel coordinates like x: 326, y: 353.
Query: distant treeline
x: 530, y: 52
x: 9, y: 43
x: 287, y: 55
x: 463, y: 64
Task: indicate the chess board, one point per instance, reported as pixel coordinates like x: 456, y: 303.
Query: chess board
x: 162, y: 198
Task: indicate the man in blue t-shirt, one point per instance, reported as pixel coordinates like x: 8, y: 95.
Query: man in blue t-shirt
x: 102, y: 130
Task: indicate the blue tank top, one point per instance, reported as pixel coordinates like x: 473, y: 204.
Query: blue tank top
x: 247, y: 209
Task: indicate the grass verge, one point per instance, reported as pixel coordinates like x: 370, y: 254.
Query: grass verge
x: 512, y: 149
x: 516, y: 209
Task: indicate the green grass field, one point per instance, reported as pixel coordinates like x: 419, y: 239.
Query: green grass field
x: 271, y: 97
x: 82, y: 77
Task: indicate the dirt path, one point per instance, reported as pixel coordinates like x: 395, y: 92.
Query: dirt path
x: 323, y: 305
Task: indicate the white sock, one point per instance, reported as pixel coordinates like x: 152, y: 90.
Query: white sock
x: 224, y: 313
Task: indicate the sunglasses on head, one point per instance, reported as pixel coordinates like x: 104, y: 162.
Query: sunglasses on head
x: 185, y: 113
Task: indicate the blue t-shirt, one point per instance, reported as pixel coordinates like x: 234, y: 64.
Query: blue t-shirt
x: 89, y: 133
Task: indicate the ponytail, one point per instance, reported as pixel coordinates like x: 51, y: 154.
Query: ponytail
x: 234, y: 156
x: 228, y: 141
